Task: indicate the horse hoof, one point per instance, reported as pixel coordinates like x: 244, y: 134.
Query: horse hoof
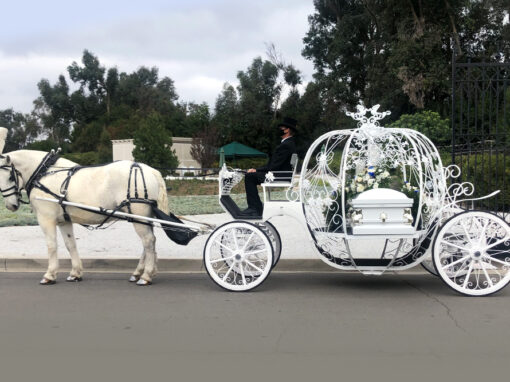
x: 134, y: 279
x: 46, y: 281
x: 143, y: 282
x: 74, y: 279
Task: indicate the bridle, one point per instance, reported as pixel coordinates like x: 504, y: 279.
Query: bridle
x: 15, y: 189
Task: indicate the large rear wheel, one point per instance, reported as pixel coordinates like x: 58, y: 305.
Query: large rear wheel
x: 471, y: 253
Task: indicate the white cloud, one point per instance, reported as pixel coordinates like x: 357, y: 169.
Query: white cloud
x: 200, y: 45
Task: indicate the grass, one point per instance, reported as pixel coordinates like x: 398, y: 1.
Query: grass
x: 185, y: 197
x: 24, y: 216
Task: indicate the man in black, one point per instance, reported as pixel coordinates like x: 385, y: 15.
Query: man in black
x: 279, y: 161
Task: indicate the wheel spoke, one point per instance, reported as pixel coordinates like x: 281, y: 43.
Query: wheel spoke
x: 235, y: 238
x: 222, y: 259
x: 249, y: 239
x: 242, y: 274
x: 228, y: 272
x: 497, y: 243
x: 466, y: 232
x: 254, y: 266
x: 468, y: 274
x: 482, y: 234
x: 454, y: 245
x: 496, y: 260
x: 224, y: 246
x: 455, y: 262
x: 255, y: 252
x: 486, y: 274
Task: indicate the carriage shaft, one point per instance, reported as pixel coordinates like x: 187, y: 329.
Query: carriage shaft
x: 120, y: 214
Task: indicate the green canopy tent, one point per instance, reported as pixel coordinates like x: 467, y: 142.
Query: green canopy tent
x: 238, y: 150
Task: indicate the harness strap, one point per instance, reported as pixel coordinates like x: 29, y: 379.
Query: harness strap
x: 49, y: 160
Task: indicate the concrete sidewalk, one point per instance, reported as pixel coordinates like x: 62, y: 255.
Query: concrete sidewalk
x: 118, y: 248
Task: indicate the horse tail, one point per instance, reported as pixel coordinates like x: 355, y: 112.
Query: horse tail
x: 162, y: 195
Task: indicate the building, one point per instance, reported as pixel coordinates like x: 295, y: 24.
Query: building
x: 123, y: 150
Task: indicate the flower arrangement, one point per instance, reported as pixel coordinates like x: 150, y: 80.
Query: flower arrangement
x: 370, y: 178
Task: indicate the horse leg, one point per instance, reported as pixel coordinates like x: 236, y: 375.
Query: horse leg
x: 149, y: 247
x: 49, y: 228
x: 66, y: 230
x: 139, y: 269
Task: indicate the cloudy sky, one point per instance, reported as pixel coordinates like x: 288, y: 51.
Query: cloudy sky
x: 200, y: 44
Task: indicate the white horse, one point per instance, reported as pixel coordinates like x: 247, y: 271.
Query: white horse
x: 105, y: 186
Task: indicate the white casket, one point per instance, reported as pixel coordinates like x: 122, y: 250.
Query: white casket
x: 382, y: 211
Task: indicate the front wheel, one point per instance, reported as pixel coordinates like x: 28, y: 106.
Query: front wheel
x: 238, y: 256
x: 471, y: 253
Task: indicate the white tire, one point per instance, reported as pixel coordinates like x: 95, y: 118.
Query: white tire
x: 238, y: 256
x: 471, y: 253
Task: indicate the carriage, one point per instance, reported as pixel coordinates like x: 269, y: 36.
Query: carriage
x: 372, y: 187
x: 375, y: 188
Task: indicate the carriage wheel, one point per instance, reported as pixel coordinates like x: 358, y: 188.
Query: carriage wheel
x: 271, y: 232
x: 428, y: 265
x: 238, y: 256
x: 471, y: 253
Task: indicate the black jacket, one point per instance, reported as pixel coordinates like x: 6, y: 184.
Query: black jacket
x: 280, y: 160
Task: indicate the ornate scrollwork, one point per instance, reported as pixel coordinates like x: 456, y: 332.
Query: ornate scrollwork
x: 228, y: 179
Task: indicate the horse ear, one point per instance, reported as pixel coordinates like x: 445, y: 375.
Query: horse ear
x: 3, y: 137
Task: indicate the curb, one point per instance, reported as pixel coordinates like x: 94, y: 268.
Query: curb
x: 164, y: 265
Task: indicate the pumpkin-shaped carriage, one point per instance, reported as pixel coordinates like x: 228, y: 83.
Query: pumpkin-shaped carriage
x: 372, y: 187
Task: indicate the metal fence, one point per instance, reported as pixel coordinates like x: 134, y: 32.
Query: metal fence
x: 481, y: 129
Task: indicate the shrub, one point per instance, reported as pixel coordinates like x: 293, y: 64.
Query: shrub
x: 84, y: 159
x: 428, y: 123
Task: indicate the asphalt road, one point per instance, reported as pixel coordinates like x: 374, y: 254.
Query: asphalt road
x: 299, y: 326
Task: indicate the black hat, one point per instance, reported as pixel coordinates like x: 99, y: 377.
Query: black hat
x: 291, y: 123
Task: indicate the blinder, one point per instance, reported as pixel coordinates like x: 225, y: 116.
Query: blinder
x: 15, y: 189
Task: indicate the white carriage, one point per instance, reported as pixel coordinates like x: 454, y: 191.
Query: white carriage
x: 385, y: 187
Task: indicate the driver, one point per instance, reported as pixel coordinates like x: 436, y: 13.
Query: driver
x: 279, y: 161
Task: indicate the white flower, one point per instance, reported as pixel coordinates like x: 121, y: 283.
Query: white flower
x: 359, y: 179
x: 360, y: 188
x: 385, y: 174
x: 376, y: 185
x: 327, y: 202
x: 371, y: 181
x: 269, y: 177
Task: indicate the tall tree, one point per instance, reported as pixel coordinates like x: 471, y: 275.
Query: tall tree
x: 153, y: 144
x: 258, y: 89
x: 226, y: 114
x: 397, y: 53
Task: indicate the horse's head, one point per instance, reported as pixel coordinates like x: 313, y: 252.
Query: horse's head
x: 10, y: 186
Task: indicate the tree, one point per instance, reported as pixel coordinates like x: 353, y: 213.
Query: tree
x: 153, y: 144
x: 226, y: 114
x: 54, y: 109
x: 204, y: 147
x: 22, y: 129
x: 257, y: 90
x: 398, y: 53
